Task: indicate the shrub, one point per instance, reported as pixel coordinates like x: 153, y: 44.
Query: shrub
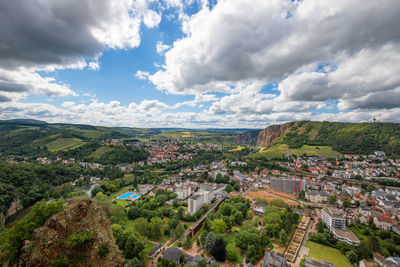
x: 103, y: 250
x: 78, y: 239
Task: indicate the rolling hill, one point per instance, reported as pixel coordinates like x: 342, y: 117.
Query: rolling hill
x: 357, y: 138
x: 38, y: 138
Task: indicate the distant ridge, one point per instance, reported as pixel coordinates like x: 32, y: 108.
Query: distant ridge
x: 25, y: 121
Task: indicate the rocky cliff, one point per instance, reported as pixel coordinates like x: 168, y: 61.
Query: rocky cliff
x: 265, y: 137
x: 249, y: 138
x: 73, y: 237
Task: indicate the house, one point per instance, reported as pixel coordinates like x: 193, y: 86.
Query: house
x: 383, y: 223
x: 365, y: 263
x: 316, y: 196
x: 125, y: 167
x: 155, y: 250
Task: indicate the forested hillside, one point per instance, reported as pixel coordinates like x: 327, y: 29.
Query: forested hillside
x: 360, y: 138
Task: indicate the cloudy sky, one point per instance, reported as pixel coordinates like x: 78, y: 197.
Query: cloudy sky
x: 199, y: 63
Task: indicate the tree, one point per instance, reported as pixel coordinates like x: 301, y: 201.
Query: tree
x: 352, y: 256
x: 320, y: 226
x: 133, y: 247
x: 332, y: 199
x: 218, y: 251
x: 202, y: 263
x: 155, y: 227
x: 209, y: 242
x: 182, y: 259
x: 231, y: 254
x: 228, y: 188
x: 203, y: 237
x: 219, y: 226
x: 141, y: 226
x: 242, y: 240
x: 363, y: 251
x: 373, y: 243
x: 282, y: 237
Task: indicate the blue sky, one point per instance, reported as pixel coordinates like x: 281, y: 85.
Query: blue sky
x: 199, y: 63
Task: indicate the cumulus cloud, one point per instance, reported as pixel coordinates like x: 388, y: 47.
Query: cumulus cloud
x: 272, y: 40
x: 49, y: 35
x: 367, y: 79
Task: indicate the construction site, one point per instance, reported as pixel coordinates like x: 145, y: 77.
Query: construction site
x: 294, y: 246
x: 269, y: 195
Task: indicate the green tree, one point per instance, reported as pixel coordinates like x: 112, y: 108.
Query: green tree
x: 352, y: 256
x: 209, y: 242
x: 373, y: 243
x: 332, y: 199
x: 219, y: 226
x: 155, y: 227
x: 283, y: 237
x: 231, y: 254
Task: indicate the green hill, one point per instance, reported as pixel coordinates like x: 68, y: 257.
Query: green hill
x: 357, y: 138
x: 37, y: 138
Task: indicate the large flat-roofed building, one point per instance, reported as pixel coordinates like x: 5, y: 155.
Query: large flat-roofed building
x: 199, y: 199
x: 288, y: 185
x: 335, y: 220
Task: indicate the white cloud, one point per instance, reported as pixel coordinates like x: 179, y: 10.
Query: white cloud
x: 269, y: 40
x: 162, y: 48
x: 48, y: 35
x: 142, y: 75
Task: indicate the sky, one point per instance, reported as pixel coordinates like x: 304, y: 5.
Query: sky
x: 199, y: 63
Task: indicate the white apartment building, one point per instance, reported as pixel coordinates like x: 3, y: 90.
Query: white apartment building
x: 199, y: 199
x: 333, y: 218
x: 183, y: 192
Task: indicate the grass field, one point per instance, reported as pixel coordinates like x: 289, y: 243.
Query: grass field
x: 279, y: 150
x: 238, y: 148
x: 100, y: 152
x: 64, y: 144
x: 321, y: 252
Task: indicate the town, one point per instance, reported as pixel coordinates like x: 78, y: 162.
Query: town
x: 203, y: 204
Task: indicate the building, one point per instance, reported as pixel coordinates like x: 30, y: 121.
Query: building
x: 335, y: 220
x: 365, y: 263
x: 288, y: 185
x: 183, y: 191
x: 155, y: 250
x: 316, y: 196
x: 380, y: 154
x: 308, y: 262
x: 199, y: 199
x: 273, y: 259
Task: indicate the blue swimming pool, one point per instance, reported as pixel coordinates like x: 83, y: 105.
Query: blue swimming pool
x: 129, y: 196
x: 126, y: 195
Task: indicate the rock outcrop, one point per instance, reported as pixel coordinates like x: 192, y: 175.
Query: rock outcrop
x: 248, y: 138
x: 52, y: 243
x: 14, y: 208
x: 265, y: 137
